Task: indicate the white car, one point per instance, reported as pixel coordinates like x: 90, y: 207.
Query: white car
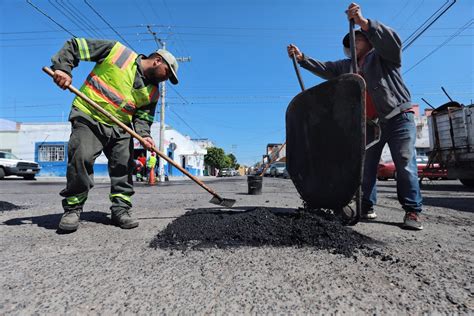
x: 11, y: 165
x: 277, y: 169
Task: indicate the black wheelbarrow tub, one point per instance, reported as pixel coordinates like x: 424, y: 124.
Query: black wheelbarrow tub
x: 325, y: 135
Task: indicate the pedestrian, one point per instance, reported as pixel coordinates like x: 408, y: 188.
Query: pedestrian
x: 151, y: 164
x: 126, y: 85
x: 378, y: 51
x: 142, y: 159
x: 139, y: 170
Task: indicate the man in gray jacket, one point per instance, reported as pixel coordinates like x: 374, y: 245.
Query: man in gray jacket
x: 378, y: 51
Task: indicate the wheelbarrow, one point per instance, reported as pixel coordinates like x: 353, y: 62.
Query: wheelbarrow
x: 326, y: 143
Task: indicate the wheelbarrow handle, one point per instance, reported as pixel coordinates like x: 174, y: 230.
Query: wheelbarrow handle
x: 352, y: 47
x: 298, y: 74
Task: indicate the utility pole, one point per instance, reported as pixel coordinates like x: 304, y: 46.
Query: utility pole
x: 161, y: 169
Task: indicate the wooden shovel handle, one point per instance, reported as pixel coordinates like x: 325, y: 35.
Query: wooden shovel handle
x: 134, y: 134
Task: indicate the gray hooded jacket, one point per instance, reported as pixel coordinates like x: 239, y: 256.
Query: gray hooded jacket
x: 381, y: 71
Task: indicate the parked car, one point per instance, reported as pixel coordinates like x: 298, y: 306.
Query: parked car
x: 225, y: 172
x: 434, y: 172
x: 277, y: 169
x: 11, y: 165
x: 286, y: 175
x: 386, y: 170
x: 267, y: 172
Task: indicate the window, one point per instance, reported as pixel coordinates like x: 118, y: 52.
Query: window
x: 8, y: 155
x: 51, y: 153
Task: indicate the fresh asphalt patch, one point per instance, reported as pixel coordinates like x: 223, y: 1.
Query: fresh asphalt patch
x: 262, y: 226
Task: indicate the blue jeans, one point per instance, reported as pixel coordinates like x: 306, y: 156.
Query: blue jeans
x: 400, y: 134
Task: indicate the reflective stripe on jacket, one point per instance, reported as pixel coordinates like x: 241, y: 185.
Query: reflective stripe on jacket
x: 110, y: 84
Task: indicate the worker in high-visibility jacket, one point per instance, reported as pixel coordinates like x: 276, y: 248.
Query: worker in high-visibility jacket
x: 151, y: 164
x: 126, y: 85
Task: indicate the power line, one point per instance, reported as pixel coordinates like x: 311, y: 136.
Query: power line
x: 197, y: 27
x: 81, y: 17
x: 411, y: 40
x: 429, y: 18
x: 137, y: 5
x: 62, y: 10
x: 153, y: 10
x: 186, y: 123
x: 43, y: 13
x: 401, y: 10
x: 414, y: 12
x: 461, y: 29
x: 181, y: 43
x: 110, y: 26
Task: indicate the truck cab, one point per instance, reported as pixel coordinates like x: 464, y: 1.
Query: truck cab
x: 11, y: 165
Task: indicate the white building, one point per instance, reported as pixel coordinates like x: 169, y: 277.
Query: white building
x: 203, y: 142
x: 46, y: 143
x: 422, y: 142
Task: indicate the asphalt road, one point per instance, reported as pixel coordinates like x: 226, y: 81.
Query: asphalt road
x: 101, y: 269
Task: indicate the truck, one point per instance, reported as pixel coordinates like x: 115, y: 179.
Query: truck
x: 11, y: 165
x: 451, y: 133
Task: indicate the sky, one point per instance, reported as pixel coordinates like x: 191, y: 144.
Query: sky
x: 239, y: 82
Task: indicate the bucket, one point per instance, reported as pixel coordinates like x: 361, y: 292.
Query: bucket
x: 255, y: 184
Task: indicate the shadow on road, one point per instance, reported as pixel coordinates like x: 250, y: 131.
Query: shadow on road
x: 259, y: 226
x: 462, y: 204
x: 431, y: 186
x: 436, y: 185
x: 383, y: 223
x: 51, y: 221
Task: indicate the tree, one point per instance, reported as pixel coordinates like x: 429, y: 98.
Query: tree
x: 232, y: 160
x: 215, y: 158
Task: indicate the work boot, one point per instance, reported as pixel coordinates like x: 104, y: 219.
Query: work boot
x: 70, y: 220
x: 123, y: 219
x: 412, y: 221
x: 368, y: 214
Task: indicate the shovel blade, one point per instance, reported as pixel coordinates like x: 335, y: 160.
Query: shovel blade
x: 221, y: 201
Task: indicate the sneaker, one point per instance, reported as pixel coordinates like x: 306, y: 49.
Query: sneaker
x: 369, y: 214
x: 124, y: 219
x: 70, y: 220
x: 412, y: 221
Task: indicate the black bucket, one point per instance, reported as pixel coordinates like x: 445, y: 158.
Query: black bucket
x: 255, y: 184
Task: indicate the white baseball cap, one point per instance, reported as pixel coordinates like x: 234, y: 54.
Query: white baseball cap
x: 172, y: 64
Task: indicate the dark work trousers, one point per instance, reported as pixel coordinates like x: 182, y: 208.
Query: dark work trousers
x: 88, y: 139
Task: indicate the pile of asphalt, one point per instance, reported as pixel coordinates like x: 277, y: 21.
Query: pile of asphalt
x: 209, y: 228
x: 7, y: 206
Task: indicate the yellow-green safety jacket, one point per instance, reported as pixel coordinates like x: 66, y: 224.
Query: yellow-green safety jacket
x: 116, y: 83
x: 110, y: 84
x: 151, y: 163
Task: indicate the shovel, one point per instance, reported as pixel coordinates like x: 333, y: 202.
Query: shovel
x: 216, y: 199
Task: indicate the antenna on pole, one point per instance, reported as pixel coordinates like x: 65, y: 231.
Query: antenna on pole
x: 428, y: 103
x: 447, y: 94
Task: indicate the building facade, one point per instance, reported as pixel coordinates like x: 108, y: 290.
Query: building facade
x: 46, y: 143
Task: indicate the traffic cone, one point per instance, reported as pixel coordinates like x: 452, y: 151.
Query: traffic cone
x: 151, y: 178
